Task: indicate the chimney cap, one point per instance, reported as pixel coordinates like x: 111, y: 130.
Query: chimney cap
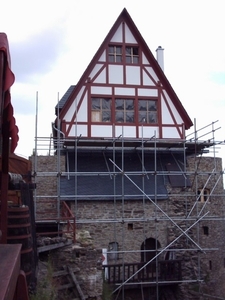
x: 159, y: 48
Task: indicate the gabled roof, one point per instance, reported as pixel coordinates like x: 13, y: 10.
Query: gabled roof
x: 124, y: 16
x: 64, y: 99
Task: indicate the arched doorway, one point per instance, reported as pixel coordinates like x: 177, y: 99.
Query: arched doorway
x: 149, y: 249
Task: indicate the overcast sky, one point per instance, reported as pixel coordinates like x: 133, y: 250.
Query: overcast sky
x: 52, y: 42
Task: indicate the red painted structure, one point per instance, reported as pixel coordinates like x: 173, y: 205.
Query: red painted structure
x: 8, y: 128
x: 13, y: 281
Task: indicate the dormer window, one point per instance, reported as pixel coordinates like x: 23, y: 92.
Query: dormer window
x: 147, y: 111
x: 132, y: 56
x: 115, y: 54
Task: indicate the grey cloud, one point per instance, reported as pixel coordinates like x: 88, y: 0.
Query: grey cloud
x: 23, y: 104
x: 36, y: 55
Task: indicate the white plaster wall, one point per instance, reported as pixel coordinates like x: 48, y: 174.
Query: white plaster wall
x: 101, y: 131
x: 115, y: 74
x: 129, y: 38
x: 177, y: 116
x: 148, y: 132
x: 101, y: 90
x: 170, y: 132
x: 125, y: 91
x: 118, y: 37
x: 82, y: 114
x: 77, y: 130
x: 144, y: 59
x: 103, y: 57
x: 146, y: 79
x: 148, y: 92
x: 101, y: 77
x: 96, y: 68
x: 125, y: 131
x: 152, y: 73
x: 166, y: 115
x: 71, y: 110
x: 133, y: 75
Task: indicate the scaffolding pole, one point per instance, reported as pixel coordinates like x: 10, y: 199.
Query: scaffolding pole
x: 194, y: 214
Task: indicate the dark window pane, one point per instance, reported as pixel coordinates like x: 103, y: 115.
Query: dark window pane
x: 118, y: 50
x: 152, y: 105
x: 128, y: 50
x: 119, y: 104
x: 118, y: 58
x: 135, y: 51
x: 142, y: 104
x: 152, y: 116
x: 111, y: 49
x: 129, y: 105
x: 130, y: 117
x: 128, y: 59
x: 119, y: 116
x: 142, y: 117
x: 106, y: 103
x: 106, y: 116
x: 135, y: 60
x: 111, y: 58
x: 96, y: 103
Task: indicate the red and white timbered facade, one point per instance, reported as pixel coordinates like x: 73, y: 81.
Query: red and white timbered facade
x: 123, y: 92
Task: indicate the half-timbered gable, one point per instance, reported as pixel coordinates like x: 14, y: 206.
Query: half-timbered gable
x: 123, y: 91
x: 122, y: 101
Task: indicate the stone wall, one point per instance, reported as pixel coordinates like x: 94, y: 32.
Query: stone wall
x: 46, y: 178
x: 132, y: 222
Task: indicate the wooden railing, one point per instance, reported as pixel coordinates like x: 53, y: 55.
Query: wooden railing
x: 67, y: 221
x: 168, y: 270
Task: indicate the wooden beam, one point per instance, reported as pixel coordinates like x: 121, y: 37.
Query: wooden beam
x: 76, y: 284
x: 53, y: 246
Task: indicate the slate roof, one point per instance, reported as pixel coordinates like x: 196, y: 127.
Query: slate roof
x: 64, y: 99
x: 95, y: 179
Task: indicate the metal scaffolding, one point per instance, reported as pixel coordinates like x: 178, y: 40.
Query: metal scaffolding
x: 198, y: 145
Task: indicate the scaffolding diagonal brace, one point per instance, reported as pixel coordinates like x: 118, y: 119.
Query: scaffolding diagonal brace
x: 165, y: 214
x: 168, y: 246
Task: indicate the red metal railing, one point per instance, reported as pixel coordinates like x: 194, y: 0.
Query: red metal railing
x: 66, y: 222
x: 68, y: 215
